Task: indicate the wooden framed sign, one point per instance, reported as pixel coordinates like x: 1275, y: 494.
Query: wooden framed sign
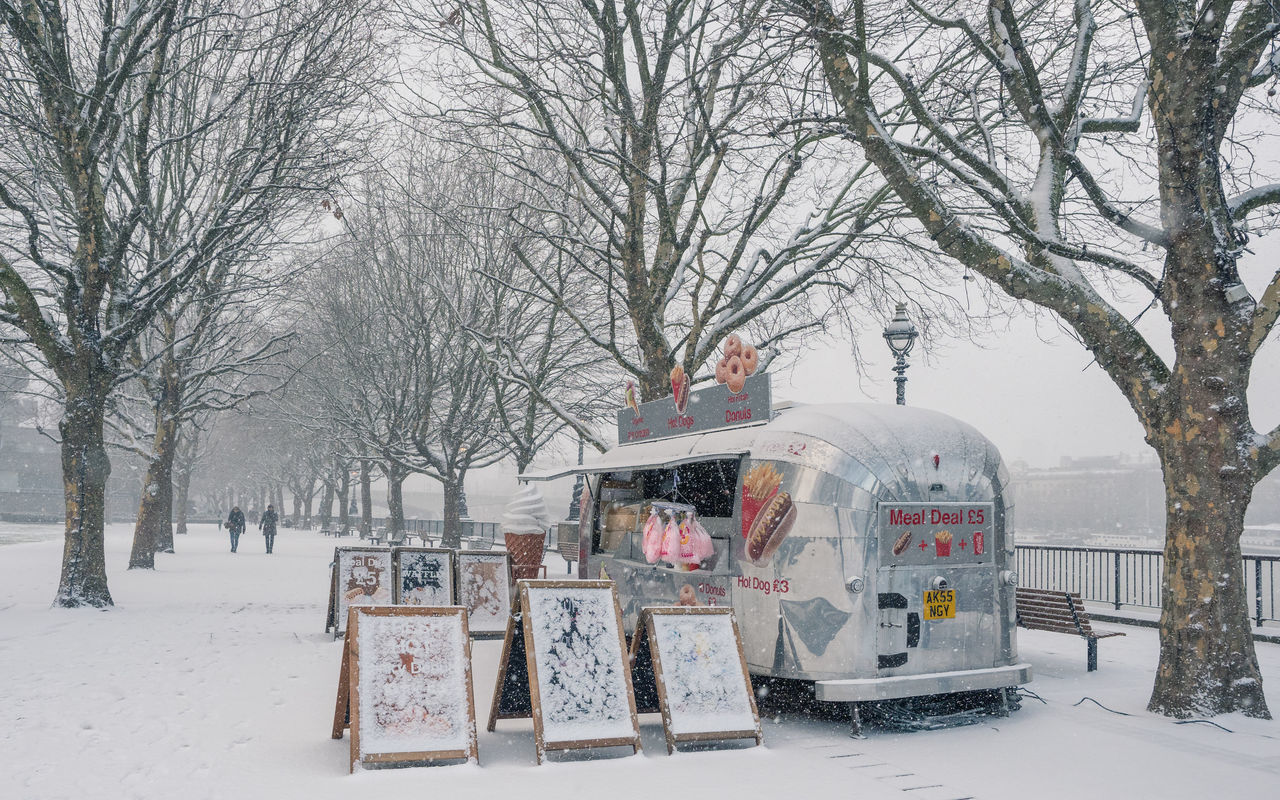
x: 511, y: 696
x: 704, y: 690
x: 576, y: 654
x: 361, y: 577
x: 422, y: 576
x: 484, y: 589
x: 405, y: 685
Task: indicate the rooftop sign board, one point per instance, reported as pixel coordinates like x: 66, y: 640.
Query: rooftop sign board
x: 707, y: 409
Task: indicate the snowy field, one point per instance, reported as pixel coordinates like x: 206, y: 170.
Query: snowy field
x: 212, y: 678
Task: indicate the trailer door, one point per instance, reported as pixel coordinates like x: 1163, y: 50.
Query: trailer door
x: 935, y: 588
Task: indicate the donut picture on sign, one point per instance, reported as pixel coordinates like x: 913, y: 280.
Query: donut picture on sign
x: 739, y: 362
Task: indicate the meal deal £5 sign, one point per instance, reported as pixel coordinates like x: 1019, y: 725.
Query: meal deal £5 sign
x: 933, y: 533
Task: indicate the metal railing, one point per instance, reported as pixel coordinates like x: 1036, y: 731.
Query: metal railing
x: 475, y: 535
x: 1131, y: 577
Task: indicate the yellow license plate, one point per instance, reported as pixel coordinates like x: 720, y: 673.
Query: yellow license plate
x: 940, y: 604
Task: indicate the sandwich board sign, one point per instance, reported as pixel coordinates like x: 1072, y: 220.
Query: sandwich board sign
x: 360, y: 576
x: 576, y: 654
x: 484, y: 589
x: 422, y: 576
x: 405, y: 687
x: 694, y: 657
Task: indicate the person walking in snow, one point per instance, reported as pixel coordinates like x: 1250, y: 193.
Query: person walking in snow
x: 268, y: 526
x: 235, y: 526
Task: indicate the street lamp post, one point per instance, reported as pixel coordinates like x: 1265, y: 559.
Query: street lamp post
x: 574, y: 504
x: 900, y: 335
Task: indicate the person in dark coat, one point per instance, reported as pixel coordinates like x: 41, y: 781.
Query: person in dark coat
x: 235, y: 526
x: 268, y: 526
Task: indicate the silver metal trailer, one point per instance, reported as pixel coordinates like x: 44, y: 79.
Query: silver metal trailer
x: 885, y: 572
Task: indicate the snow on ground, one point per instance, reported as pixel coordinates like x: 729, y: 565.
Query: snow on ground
x: 212, y: 678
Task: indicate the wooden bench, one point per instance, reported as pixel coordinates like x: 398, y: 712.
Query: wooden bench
x: 1059, y: 612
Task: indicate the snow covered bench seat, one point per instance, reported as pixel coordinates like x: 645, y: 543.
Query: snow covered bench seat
x: 1059, y: 612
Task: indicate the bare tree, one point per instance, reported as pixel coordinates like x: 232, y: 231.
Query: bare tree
x: 207, y: 353
x: 648, y: 136
x: 546, y: 376
x: 85, y: 120
x: 1081, y: 211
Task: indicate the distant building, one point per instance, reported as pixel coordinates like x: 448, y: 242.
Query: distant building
x: 31, y: 479
x: 1111, y: 500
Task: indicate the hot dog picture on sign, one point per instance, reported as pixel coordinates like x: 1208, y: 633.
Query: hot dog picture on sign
x: 768, y: 512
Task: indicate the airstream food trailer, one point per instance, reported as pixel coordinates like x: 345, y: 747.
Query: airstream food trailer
x: 865, y: 548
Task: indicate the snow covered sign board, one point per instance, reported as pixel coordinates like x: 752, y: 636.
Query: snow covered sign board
x: 484, y: 589
x: 704, y: 690
x: 361, y: 577
x: 405, y: 685
x: 422, y: 576
x: 511, y: 695
x: 577, y: 660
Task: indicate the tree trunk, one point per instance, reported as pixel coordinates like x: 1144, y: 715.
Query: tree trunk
x: 326, y: 504
x: 153, y: 510
x: 183, y: 467
x: 452, y: 533
x: 395, y: 499
x: 308, y: 499
x: 1208, y: 664
x: 153, y: 530
x: 366, y: 499
x: 343, y: 489
x: 85, y: 468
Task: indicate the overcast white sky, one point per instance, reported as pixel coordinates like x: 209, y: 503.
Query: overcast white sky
x: 1037, y: 401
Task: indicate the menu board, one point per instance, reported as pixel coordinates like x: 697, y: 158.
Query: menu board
x: 422, y: 576
x: 704, y: 690
x: 361, y: 577
x: 405, y: 685
x: 577, y: 661
x: 484, y: 589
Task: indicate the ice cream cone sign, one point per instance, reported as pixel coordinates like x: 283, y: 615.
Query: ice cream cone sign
x: 632, y: 402
x: 738, y: 362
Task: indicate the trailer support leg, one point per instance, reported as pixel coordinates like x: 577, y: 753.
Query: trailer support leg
x: 855, y: 722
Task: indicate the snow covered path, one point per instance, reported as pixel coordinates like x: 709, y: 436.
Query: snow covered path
x: 212, y: 678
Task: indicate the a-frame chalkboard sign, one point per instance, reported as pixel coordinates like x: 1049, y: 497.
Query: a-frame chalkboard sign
x: 575, y: 682
x: 404, y: 687
x: 694, y: 658
x: 511, y: 696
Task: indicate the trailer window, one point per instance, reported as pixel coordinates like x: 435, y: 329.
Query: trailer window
x: 708, y: 486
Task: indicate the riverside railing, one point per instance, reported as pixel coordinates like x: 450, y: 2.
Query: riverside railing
x: 478, y: 535
x: 1132, y: 577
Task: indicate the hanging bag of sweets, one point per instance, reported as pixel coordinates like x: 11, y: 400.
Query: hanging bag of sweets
x: 670, y: 551
x: 652, y: 541
x: 703, y: 548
